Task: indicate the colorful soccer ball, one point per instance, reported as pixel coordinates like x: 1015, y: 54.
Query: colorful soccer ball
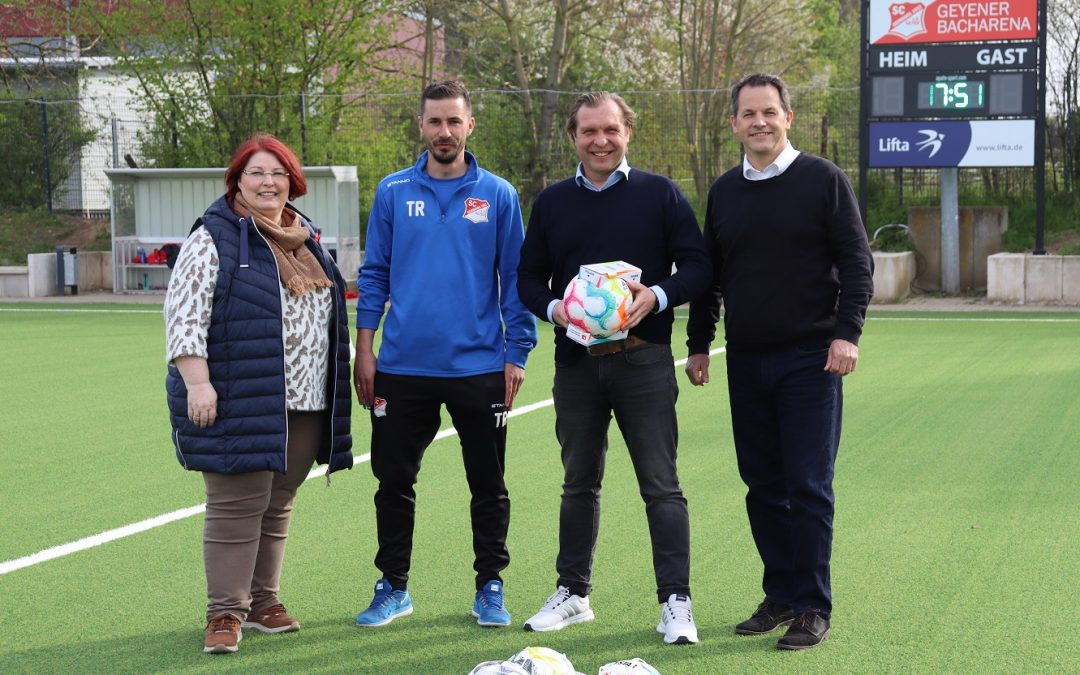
x: 543, y: 661
x: 598, y: 306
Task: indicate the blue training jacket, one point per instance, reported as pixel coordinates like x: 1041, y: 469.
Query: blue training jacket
x: 246, y: 358
x: 444, y: 268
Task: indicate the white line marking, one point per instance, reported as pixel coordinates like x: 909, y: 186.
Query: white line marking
x: 1004, y: 319
x: 164, y: 519
x: 74, y: 310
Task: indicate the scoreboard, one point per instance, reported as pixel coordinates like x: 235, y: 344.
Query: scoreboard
x: 928, y: 64
x: 971, y: 81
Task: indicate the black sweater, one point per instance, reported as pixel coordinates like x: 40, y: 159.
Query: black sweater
x: 644, y: 220
x: 790, y: 260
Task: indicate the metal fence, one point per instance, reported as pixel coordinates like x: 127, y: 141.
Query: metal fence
x: 377, y: 133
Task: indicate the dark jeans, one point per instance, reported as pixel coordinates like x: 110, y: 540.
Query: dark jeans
x: 639, y: 386
x: 403, y: 427
x: 786, y: 414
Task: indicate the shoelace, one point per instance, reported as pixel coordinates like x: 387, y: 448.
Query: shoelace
x: 560, y: 596
x: 273, y: 610
x: 382, y: 601
x: 764, y: 608
x: 680, y: 612
x: 491, y: 600
x: 805, y: 619
x: 223, y: 624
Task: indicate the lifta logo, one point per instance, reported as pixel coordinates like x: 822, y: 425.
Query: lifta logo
x: 476, y: 210
x: 933, y: 141
x: 907, y: 19
x: 893, y: 144
x: 380, y: 406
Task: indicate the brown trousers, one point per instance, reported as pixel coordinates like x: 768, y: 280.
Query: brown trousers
x: 247, y: 522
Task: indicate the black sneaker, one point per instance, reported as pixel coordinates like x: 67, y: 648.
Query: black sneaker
x: 767, y: 618
x: 809, y: 630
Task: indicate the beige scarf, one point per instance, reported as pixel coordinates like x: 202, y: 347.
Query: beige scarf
x: 300, y: 270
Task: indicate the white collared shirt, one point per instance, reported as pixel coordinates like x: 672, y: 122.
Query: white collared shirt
x: 621, y: 172
x: 778, y: 166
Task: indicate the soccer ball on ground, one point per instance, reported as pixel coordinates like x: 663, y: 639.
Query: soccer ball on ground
x: 498, y: 668
x: 633, y: 666
x: 598, y: 306
x: 543, y: 661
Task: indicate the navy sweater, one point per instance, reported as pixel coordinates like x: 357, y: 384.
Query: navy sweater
x: 790, y: 260
x: 644, y: 220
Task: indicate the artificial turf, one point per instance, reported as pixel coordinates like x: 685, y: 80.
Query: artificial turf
x: 955, y: 530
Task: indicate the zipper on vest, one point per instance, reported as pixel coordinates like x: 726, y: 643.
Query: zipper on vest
x: 176, y: 442
x: 244, y: 241
x: 335, y: 345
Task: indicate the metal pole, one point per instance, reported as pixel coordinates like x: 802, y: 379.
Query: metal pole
x: 46, y: 174
x: 115, y: 143
x: 1040, y: 136
x: 950, y: 231
x: 864, y: 111
x: 303, y: 128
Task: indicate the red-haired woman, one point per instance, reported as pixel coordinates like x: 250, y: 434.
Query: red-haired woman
x: 258, y: 383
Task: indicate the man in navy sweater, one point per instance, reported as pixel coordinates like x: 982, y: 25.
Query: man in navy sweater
x: 607, y: 212
x: 793, y: 267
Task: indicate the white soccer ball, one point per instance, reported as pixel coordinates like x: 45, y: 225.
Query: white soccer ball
x: 543, y: 661
x: 598, y: 306
x: 633, y: 666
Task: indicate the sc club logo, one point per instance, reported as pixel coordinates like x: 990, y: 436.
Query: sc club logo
x: 932, y: 140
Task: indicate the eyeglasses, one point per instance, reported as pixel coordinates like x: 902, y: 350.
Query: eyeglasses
x: 275, y: 175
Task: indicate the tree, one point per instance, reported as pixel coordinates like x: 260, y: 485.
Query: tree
x: 24, y: 181
x: 213, y: 72
x: 714, y: 42
x: 543, y: 51
x: 1063, y: 80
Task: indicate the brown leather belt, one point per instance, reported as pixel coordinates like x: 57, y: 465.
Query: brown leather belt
x: 615, y: 346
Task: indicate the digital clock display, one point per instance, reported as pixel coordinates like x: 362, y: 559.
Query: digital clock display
x: 971, y: 95
x: 952, y: 95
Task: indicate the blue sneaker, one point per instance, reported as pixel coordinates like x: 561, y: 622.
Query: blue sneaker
x: 386, y: 606
x: 488, y: 606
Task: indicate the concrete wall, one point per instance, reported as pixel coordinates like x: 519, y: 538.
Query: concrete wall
x: 893, y: 274
x: 38, y: 278
x: 981, y: 228
x: 41, y: 274
x: 13, y: 282
x: 1022, y: 278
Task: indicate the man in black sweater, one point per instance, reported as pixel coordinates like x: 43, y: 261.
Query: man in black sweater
x: 792, y: 265
x: 608, y: 212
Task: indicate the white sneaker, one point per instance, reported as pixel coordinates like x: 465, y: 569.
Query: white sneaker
x: 677, y: 622
x: 561, y: 609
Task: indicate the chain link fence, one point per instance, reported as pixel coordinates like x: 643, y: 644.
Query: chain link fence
x: 378, y: 134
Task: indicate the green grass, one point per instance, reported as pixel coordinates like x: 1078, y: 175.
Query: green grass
x: 955, y: 530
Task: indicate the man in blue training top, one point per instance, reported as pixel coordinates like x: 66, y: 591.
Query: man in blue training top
x: 443, y: 240
x: 610, y: 211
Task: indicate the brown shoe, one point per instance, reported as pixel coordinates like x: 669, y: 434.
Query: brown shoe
x: 273, y: 619
x: 223, y: 634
